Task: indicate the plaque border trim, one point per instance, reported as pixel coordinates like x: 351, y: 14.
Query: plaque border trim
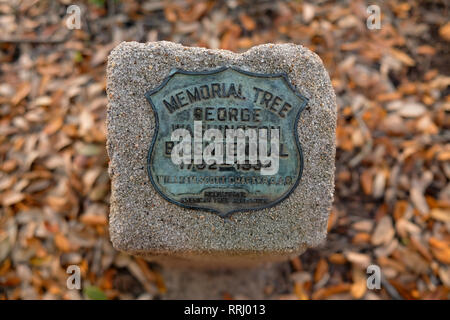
x: 281, y: 75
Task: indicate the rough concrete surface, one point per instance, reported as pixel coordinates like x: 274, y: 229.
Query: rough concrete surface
x: 143, y: 223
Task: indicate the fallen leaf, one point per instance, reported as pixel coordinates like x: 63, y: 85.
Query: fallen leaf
x: 413, y: 260
x: 21, y: 93
x: 300, y: 291
x: 440, y: 214
x: 444, y: 31
x: 321, y: 270
x: 440, y: 249
x: 366, y: 179
x: 418, y: 199
x: 308, y: 12
x: 94, y: 293
x: 62, y: 243
x: 247, y: 22
x: 412, y: 110
x: 359, y: 286
x: 384, y: 231
x: 11, y: 197
x: 360, y: 259
x: 323, y: 293
x: 402, y: 57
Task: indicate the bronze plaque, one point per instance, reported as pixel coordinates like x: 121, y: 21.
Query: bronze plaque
x: 225, y: 140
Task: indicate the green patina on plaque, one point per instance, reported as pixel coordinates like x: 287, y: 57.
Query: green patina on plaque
x: 224, y: 99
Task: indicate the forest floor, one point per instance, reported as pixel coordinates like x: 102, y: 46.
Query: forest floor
x: 392, y: 196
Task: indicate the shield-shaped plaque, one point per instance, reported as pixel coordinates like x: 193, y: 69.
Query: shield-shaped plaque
x: 196, y: 159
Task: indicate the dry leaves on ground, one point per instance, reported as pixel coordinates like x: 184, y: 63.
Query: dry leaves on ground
x: 392, y: 199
